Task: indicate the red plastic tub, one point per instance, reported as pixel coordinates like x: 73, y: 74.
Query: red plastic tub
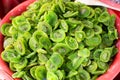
x: 5, y: 72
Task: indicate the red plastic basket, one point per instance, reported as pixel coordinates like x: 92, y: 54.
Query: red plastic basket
x: 6, y: 73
